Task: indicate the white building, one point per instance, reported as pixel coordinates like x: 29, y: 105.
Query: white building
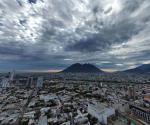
x: 5, y: 83
x: 39, y: 82
x: 11, y: 77
x: 43, y: 120
x: 101, y: 112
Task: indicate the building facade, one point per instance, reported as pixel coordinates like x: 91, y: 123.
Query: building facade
x: 142, y: 113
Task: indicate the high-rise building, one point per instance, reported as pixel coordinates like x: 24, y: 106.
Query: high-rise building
x: 39, y: 82
x: 11, y: 76
x: 29, y: 82
x: 5, y: 83
x: 101, y: 84
x: 131, y: 92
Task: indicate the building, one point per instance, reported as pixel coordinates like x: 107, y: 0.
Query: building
x: 147, y: 97
x: 143, y: 113
x: 101, y: 84
x: 39, y: 82
x: 101, y: 112
x: 43, y: 120
x: 5, y: 83
x: 11, y: 76
x: 131, y: 92
x: 147, y: 100
x: 29, y: 82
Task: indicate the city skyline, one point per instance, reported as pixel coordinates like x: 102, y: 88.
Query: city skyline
x: 50, y: 35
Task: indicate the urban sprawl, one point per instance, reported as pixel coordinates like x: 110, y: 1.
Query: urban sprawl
x: 74, y: 99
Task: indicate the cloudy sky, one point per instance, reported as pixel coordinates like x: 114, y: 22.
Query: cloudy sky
x: 52, y: 34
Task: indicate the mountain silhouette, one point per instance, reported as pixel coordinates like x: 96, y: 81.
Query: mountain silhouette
x: 82, y: 68
x: 145, y: 68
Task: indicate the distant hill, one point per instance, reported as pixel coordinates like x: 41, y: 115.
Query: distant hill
x: 145, y: 68
x: 82, y: 68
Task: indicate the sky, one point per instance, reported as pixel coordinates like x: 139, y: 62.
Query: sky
x: 53, y: 34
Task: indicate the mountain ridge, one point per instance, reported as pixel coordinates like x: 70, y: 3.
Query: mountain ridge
x: 82, y: 68
x: 145, y: 68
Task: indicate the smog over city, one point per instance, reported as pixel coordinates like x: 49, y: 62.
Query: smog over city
x: 74, y: 62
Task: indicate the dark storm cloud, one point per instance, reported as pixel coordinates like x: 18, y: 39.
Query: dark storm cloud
x: 32, y: 1
x: 131, y: 6
x: 22, y: 22
x: 94, y: 43
x: 20, y: 4
x: 57, y: 33
x: 117, y: 33
x: 19, y: 52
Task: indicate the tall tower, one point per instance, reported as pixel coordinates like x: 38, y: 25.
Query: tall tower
x: 29, y: 82
x: 39, y: 82
x: 11, y: 76
x: 101, y: 84
x: 131, y: 92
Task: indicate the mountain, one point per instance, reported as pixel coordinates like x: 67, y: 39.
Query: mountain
x: 145, y: 68
x: 82, y: 68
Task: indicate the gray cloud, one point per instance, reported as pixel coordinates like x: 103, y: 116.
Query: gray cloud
x: 54, y: 33
x: 32, y: 1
